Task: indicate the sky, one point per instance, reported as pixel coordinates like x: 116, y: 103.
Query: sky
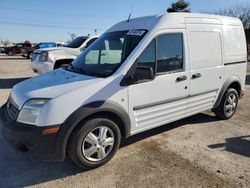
x: 54, y: 20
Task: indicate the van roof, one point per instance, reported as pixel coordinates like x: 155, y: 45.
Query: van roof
x: 173, y: 20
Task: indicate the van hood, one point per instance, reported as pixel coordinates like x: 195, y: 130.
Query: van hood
x: 50, y: 85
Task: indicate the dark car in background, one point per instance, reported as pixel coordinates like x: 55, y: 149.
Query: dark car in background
x: 2, y: 49
x: 27, y: 52
x: 16, y: 49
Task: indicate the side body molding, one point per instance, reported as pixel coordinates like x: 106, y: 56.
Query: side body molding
x: 227, y: 83
x: 82, y: 113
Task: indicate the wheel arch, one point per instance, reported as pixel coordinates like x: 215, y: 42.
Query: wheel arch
x: 233, y: 82
x: 99, y: 108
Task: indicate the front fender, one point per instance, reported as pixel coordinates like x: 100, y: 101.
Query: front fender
x: 82, y: 113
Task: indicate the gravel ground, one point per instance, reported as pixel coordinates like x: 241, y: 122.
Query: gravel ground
x: 199, y: 151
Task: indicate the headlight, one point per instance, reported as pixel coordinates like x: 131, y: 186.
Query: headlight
x: 31, y: 110
x: 44, y: 56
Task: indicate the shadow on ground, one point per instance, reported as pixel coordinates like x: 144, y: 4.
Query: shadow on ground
x: 238, y: 145
x: 20, y: 170
x: 2, y: 58
x: 7, y: 83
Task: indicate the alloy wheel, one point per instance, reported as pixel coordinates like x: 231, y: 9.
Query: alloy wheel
x: 98, y: 144
x: 230, y: 104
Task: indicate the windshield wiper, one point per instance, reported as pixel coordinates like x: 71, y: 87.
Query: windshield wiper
x: 70, y: 67
x: 90, y: 73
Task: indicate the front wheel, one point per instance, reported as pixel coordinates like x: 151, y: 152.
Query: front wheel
x: 11, y: 53
x: 94, y: 143
x: 228, y: 104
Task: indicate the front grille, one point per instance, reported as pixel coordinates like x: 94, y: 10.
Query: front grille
x: 12, y: 109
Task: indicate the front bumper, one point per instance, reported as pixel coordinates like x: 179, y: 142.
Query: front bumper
x: 42, y: 67
x: 29, y: 138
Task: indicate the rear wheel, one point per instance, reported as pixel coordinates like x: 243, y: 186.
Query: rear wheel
x: 94, y: 143
x: 29, y: 56
x: 228, y: 104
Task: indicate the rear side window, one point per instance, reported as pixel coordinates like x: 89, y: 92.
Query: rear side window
x: 169, y: 52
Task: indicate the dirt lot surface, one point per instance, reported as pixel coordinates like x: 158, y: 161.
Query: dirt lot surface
x: 199, y: 151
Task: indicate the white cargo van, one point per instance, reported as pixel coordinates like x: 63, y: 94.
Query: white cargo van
x: 140, y: 74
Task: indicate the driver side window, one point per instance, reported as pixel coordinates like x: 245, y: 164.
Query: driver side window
x: 148, y: 56
x: 164, y: 52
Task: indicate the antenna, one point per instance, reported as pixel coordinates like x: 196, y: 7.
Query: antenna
x: 129, y: 16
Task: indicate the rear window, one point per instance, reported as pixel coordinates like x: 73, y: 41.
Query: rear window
x: 47, y: 45
x: 76, y: 43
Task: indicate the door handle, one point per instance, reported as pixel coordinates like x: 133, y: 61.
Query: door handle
x: 196, y: 75
x: 181, y: 78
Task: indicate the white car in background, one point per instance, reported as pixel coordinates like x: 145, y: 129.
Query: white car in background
x: 48, y: 59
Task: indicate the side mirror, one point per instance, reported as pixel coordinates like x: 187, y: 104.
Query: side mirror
x: 144, y: 73
x: 137, y: 74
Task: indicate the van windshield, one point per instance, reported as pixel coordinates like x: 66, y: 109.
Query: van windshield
x: 107, y: 53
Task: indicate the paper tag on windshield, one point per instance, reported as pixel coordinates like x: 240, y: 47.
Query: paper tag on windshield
x: 136, y: 32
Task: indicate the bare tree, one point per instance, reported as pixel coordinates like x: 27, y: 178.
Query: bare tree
x: 72, y: 35
x: 242, y: 12
x: 27, y: 42
x: 6, y: 43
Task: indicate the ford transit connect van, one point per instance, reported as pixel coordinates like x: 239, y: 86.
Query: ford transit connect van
x: 140, y: 74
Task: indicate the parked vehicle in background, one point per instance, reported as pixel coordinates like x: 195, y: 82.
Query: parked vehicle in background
x: 2, y: 49
x: 48, y: 59
x: 27, y: 51
x: 16, y: 49
x: 61, y: 44
x: 140, y: 74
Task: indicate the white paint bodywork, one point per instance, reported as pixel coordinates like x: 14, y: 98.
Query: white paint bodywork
x: 208, y: 47
x: 55, y: 54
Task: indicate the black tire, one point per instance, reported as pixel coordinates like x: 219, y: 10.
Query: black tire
x: 29, y: 56
x: 221, y: 111
x: 77, y: 141
x: 10, y: 53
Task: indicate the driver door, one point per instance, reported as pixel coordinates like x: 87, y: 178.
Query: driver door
x: 163, y: 99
